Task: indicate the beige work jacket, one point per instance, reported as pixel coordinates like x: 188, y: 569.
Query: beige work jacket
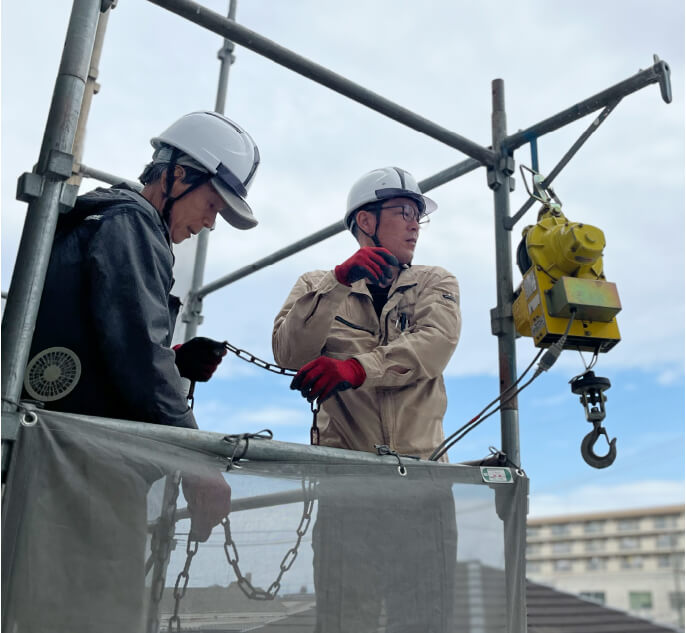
x: 404, y: 352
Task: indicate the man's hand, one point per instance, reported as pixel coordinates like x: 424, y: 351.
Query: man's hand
x: 323, y: 376
x: 199, y: 358
x: 209, y: 501
x: 374, y: 263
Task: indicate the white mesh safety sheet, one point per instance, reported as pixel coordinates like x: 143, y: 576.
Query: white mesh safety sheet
x: 98, y: 538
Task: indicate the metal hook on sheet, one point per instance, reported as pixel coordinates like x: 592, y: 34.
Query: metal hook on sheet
x: 587, y: 444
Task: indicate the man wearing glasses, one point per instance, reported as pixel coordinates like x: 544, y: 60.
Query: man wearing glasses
x: 373, y: 336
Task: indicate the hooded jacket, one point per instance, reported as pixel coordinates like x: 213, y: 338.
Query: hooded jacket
x: 107, y: 299
x: 403, y: 352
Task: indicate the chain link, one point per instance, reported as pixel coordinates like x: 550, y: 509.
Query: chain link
x: 191, y: 550
x: 250, y: 358
x: 256, y: 593
x: 161, y: 546
x: 314, y: 429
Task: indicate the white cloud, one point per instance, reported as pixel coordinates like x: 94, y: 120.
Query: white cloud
x: 599, y: 498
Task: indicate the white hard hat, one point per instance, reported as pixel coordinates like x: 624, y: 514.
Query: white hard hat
x: 226, y: 151
x: 382, y: 184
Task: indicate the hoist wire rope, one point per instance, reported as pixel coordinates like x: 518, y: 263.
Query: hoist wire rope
x: 546, y: 363
x: 477, y: 419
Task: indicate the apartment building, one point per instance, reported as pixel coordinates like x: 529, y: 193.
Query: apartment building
x: 631, y: 560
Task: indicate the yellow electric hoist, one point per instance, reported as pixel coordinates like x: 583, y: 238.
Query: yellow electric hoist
x: 565, y: 302
x: 562, y: 267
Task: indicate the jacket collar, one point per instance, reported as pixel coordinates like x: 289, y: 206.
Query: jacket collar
x: 405, y: 279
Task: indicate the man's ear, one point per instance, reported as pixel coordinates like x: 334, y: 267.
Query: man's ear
x: 179, y: 174
x: 366, y: 220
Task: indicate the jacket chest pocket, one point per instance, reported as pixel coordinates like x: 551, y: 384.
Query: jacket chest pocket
x: 399, y: 319
x: 348, y: 336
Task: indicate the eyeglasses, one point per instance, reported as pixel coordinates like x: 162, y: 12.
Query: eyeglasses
x: 411, y: 213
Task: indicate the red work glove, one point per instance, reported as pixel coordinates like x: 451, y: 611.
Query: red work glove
x: 198, y: 358
x: 209, y: 501
x: 370, y: 262
x: 324, y: 376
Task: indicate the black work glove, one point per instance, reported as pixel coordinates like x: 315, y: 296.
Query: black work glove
x: 198, y: 359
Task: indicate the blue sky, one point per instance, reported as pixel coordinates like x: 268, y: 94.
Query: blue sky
x: 628, y: 180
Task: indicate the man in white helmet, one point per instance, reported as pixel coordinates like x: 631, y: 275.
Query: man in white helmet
x: 107, y: 292
x: 107, y: 305
x: 371, y: 338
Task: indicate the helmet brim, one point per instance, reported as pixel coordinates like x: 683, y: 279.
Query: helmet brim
x: 237, y: 212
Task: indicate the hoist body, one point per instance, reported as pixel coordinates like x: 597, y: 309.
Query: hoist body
x: 562, y: 269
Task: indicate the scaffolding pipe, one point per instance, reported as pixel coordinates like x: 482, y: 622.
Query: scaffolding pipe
x: 92, y: 88
x: 255, y: 42
x: 548, y: 180
x: 192, y: 314
x: 53, y: 167
x: 502, y: 321
x: 659, y: 72
x: 429, y: 183
x: 110, y: 179
x: 232, y: 446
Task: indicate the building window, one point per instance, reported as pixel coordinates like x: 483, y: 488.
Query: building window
x: 559, y: 529
x: 664, y: 560
x: 594, y: 596
x: 629, y: 542
x: 640, y: 600
x: 663, y: 522
x: 595, y: 545
x: 596, y: 564
x: 676, y: 600
x: 562, y: 548
x: 666, y: 540
x: 594, y: 527
x: 631, y: 562
x: 533, y: 568
x: 563, y: 564
x: 627, y: 525
x: 534, y: 549
x: 533, y: 532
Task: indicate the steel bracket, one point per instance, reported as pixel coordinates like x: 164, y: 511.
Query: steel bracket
x: 29, y: 187
x: 501, y: 322
x: 193, y: 310
x: 60, y: 164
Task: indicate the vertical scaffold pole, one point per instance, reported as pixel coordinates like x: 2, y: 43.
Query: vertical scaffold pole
x: 192, y: 315
x: 47, y: 192
x: 502, y: 323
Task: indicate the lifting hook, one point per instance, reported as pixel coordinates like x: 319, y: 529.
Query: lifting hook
x: 590, y: 388
x: 587, y: 444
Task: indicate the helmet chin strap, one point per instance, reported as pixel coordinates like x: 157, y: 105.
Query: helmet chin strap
x: 169, y: 185
x: 374, y: 238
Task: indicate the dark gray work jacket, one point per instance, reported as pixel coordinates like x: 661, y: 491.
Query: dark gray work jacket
x: 107, y: 300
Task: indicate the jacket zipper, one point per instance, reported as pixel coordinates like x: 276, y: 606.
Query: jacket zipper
x: 352, y: 325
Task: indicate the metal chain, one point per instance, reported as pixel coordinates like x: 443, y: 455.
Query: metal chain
x: 256, y: 593
x: 314, y: 429
x: 250, y: 358
x: 180, y: 593
x: 161, y: 546
x: 283, y: 371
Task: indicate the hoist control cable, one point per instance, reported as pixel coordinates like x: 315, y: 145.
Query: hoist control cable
x: 547, y: 361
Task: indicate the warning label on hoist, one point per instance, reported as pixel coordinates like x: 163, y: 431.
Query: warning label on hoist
x: 496, y: 475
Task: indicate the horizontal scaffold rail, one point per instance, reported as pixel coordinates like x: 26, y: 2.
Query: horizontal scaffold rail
x: 440, y: 178
x: 659, y: 72
x: 257, y: 449
x: 261, y: 45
